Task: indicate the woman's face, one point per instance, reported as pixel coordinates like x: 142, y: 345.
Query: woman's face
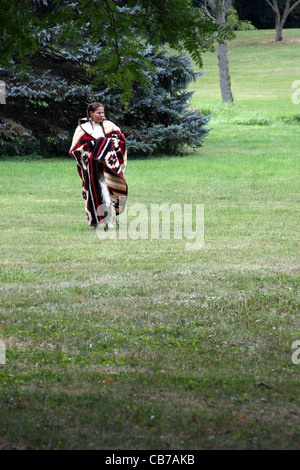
x: 98, y: 115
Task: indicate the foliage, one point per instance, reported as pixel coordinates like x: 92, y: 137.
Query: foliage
x: 117, y: 31
x: 47, y: 103
x: 232, y: 18
x: 159, y: 118
x: 81, y: 51
x: 15, y: 139
x: 233, y: 21
x: 17, y: 31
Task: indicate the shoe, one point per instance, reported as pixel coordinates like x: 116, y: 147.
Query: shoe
x: 109, y: 226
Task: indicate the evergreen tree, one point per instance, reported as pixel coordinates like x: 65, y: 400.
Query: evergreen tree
x: 159, y: 118
x: 68, y: 67
x: 43, y: 105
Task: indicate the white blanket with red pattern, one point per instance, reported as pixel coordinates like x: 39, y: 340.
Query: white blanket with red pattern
x: 96, y: 157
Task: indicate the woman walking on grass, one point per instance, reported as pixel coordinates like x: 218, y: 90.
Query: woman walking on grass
x: 99, y: 149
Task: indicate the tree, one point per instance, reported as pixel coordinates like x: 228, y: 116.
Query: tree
x: 58, y: 55
x: 44, y: 102
x: 218, y: 9
x: 261, y: 16
x: 159, y: 119
x: 119, y: 29
x: 280, y: 19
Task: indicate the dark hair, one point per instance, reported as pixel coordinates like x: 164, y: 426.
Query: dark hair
x: 92, y: 108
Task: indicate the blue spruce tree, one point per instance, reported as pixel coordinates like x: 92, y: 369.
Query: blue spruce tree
x: 45, y: 99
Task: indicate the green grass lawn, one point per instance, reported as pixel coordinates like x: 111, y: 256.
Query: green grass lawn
x: 262, y: 74
x: 142, y: 344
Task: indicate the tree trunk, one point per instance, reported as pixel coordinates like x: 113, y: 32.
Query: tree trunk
x: 278, y: 27
x: 279, y: 33
x: 279, y: 22
x: 221, y: 8
x: 224, y: 74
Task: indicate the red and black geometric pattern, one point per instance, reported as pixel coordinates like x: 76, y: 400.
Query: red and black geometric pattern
x: 95, y: 157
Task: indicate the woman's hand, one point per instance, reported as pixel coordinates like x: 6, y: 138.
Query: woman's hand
x: 115, y: 140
